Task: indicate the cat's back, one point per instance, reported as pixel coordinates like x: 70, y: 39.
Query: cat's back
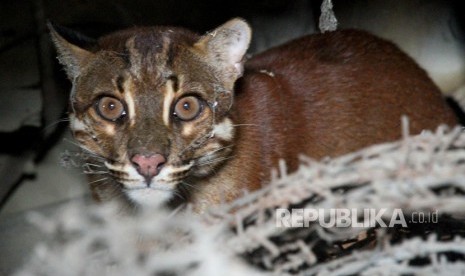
x: 344, y: 58
x: 332, y: 50
x: 344, y: 89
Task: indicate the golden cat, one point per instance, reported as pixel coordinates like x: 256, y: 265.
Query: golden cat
x: 167, y: 116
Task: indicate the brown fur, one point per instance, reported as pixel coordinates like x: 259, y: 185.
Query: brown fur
x: 324, y: 95
x: 320, y: 95
x: 343, y: 91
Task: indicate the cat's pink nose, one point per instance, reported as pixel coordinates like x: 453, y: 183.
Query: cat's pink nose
x: 148, y: 165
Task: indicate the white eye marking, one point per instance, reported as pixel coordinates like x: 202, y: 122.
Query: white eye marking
x: 129, y: 99
x: 224, y: 130
x: 167, y: 101
x: 76, y: 124
x: 110, y: 129
x: 188, y: 129
x: 79, y: 125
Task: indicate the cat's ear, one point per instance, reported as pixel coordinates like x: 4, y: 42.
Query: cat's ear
x: 226, y: 46
x: 70, y: 55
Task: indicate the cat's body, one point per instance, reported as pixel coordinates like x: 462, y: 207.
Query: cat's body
x: 192, y: 130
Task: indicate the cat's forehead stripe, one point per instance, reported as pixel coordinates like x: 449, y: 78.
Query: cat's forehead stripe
x: 119, y: 84
x: 77, y: 124
x: 167, y: 102
x: 224, y: 130
x: 148, y: 53
x: 129, y: 99
x: 134, y: 57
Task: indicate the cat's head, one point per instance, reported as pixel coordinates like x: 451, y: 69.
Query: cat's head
x: 151, y: 105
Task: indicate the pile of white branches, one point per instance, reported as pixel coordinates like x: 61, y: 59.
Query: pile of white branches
x: 423, y: 173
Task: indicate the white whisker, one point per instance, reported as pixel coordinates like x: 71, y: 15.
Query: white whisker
x: 177, y: 210
x: 219, y: 149
x: 86, y: 150
x: 95, y: 172
x: 72, y: 142
x: 215, y: 160
x: 196, y: 144
x: 56, y: 123
x: 211, y: 153
x: 188, y: 185
x: 178, y: 194
x: 93, y: 165
x: 98, y: 180
x: 236, y: 125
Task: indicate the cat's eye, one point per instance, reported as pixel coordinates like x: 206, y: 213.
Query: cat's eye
x: 188, y: 108
x: 110, y: 108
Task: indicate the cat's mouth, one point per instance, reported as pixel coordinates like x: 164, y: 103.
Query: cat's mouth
x: 149, y: 192
x: 152, y: 194
x: 155, y: 188
x: 149, y: 196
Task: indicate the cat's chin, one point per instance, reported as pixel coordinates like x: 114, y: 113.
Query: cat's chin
x: 149, y: 197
